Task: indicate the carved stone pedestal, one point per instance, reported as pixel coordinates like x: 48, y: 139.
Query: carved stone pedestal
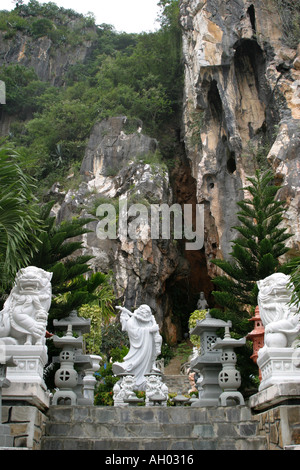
x: 26, y: 378
x: 278, y: 366
x: 89, y: 379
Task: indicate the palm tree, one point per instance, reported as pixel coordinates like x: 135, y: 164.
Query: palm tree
x: 73, y: 283
x: 20, y: 225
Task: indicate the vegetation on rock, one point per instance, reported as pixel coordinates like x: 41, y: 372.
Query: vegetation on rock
x: 137, y: 75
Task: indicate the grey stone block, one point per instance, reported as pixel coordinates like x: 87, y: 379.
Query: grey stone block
x: 78, y: 444
x: 6, y: 439
x: 248, y: 429
x: 204, y: 431
x: 152, y: 428
x: 226, y: 429
x: 82, y: 413
x: 53, y: 444
x: 103, y: 414
x: 158, y: 444
x: 62, y: 414
x: 207, y: 444
x: 182, y: 445
x: 4, y: 429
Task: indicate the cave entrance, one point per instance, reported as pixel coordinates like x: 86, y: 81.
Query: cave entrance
x: 231, y: 163
x: 249, y: 64
x: 184, y: 287
x: 184, y: 291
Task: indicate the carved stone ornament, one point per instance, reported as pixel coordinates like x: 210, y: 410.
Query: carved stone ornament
x: 124, y: 390
x: 279, y: 317
x: 156, y: 391
x: 277, y: 359
x: 23, y: 319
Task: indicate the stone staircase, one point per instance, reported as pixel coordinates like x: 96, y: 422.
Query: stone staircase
x: 151, y: 428
x: 178, y: 384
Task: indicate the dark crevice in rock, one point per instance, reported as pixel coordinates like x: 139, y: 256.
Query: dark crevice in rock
x: 251, y: 14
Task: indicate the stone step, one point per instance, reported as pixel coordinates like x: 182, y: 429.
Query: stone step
x: 146, y: 444
x: 179, y: 384
x: 152, y: 428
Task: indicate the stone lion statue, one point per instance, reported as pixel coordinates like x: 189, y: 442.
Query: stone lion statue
x: 280, y: 318
x: 23, y: 319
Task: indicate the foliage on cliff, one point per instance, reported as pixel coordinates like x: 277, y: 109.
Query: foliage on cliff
x: 137, y: 75
x: 38, y: 20
x: 289, y: 11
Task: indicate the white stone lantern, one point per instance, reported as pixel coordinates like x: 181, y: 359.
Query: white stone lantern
x: 208, y: 363
x: 66, y: 377
x: 229, y: 377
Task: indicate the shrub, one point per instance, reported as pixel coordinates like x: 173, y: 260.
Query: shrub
x: 194, y: 317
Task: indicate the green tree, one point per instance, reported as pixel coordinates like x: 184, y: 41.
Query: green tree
x: 195, y: 316
x: 20, y: 224
x: 255, y: 253
x: 73, y: 284
x: 107, y: 379
x: 292, y: 268
x: 22, y: 89
x: 41, y: 27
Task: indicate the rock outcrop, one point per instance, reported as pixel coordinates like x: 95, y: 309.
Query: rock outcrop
x: 49, y: 61
x: 242, y: 95
x: 121, y: 166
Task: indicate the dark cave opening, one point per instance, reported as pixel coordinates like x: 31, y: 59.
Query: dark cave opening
x: 249, y: 50
x: 250, y: 69
x: 183, y: 288
x: 184, y: 292
x: 251, y: 14
x: 231, y: 163
x: 215, y: 103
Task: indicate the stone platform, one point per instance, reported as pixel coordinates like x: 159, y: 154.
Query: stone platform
x: 151, y: 428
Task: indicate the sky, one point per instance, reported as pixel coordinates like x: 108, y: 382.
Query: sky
x: 130, y: 16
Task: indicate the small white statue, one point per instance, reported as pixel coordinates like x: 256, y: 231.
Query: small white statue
x: 145, y: 344
x: 202, y: 303
x: 279, y: 317
x: 23, y: 319
x: 124, y: 390
x: 156, y: 389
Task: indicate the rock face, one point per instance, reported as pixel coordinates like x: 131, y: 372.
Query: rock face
x: 240, y: 112
x: 118, y: 166
x: 242, y: 93
x: 49, y: 62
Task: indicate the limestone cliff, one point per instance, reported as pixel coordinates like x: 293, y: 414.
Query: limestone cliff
x: 118, y: 165
x: 241, y: 99
x: 49, y: 60
x: 242, y: 95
